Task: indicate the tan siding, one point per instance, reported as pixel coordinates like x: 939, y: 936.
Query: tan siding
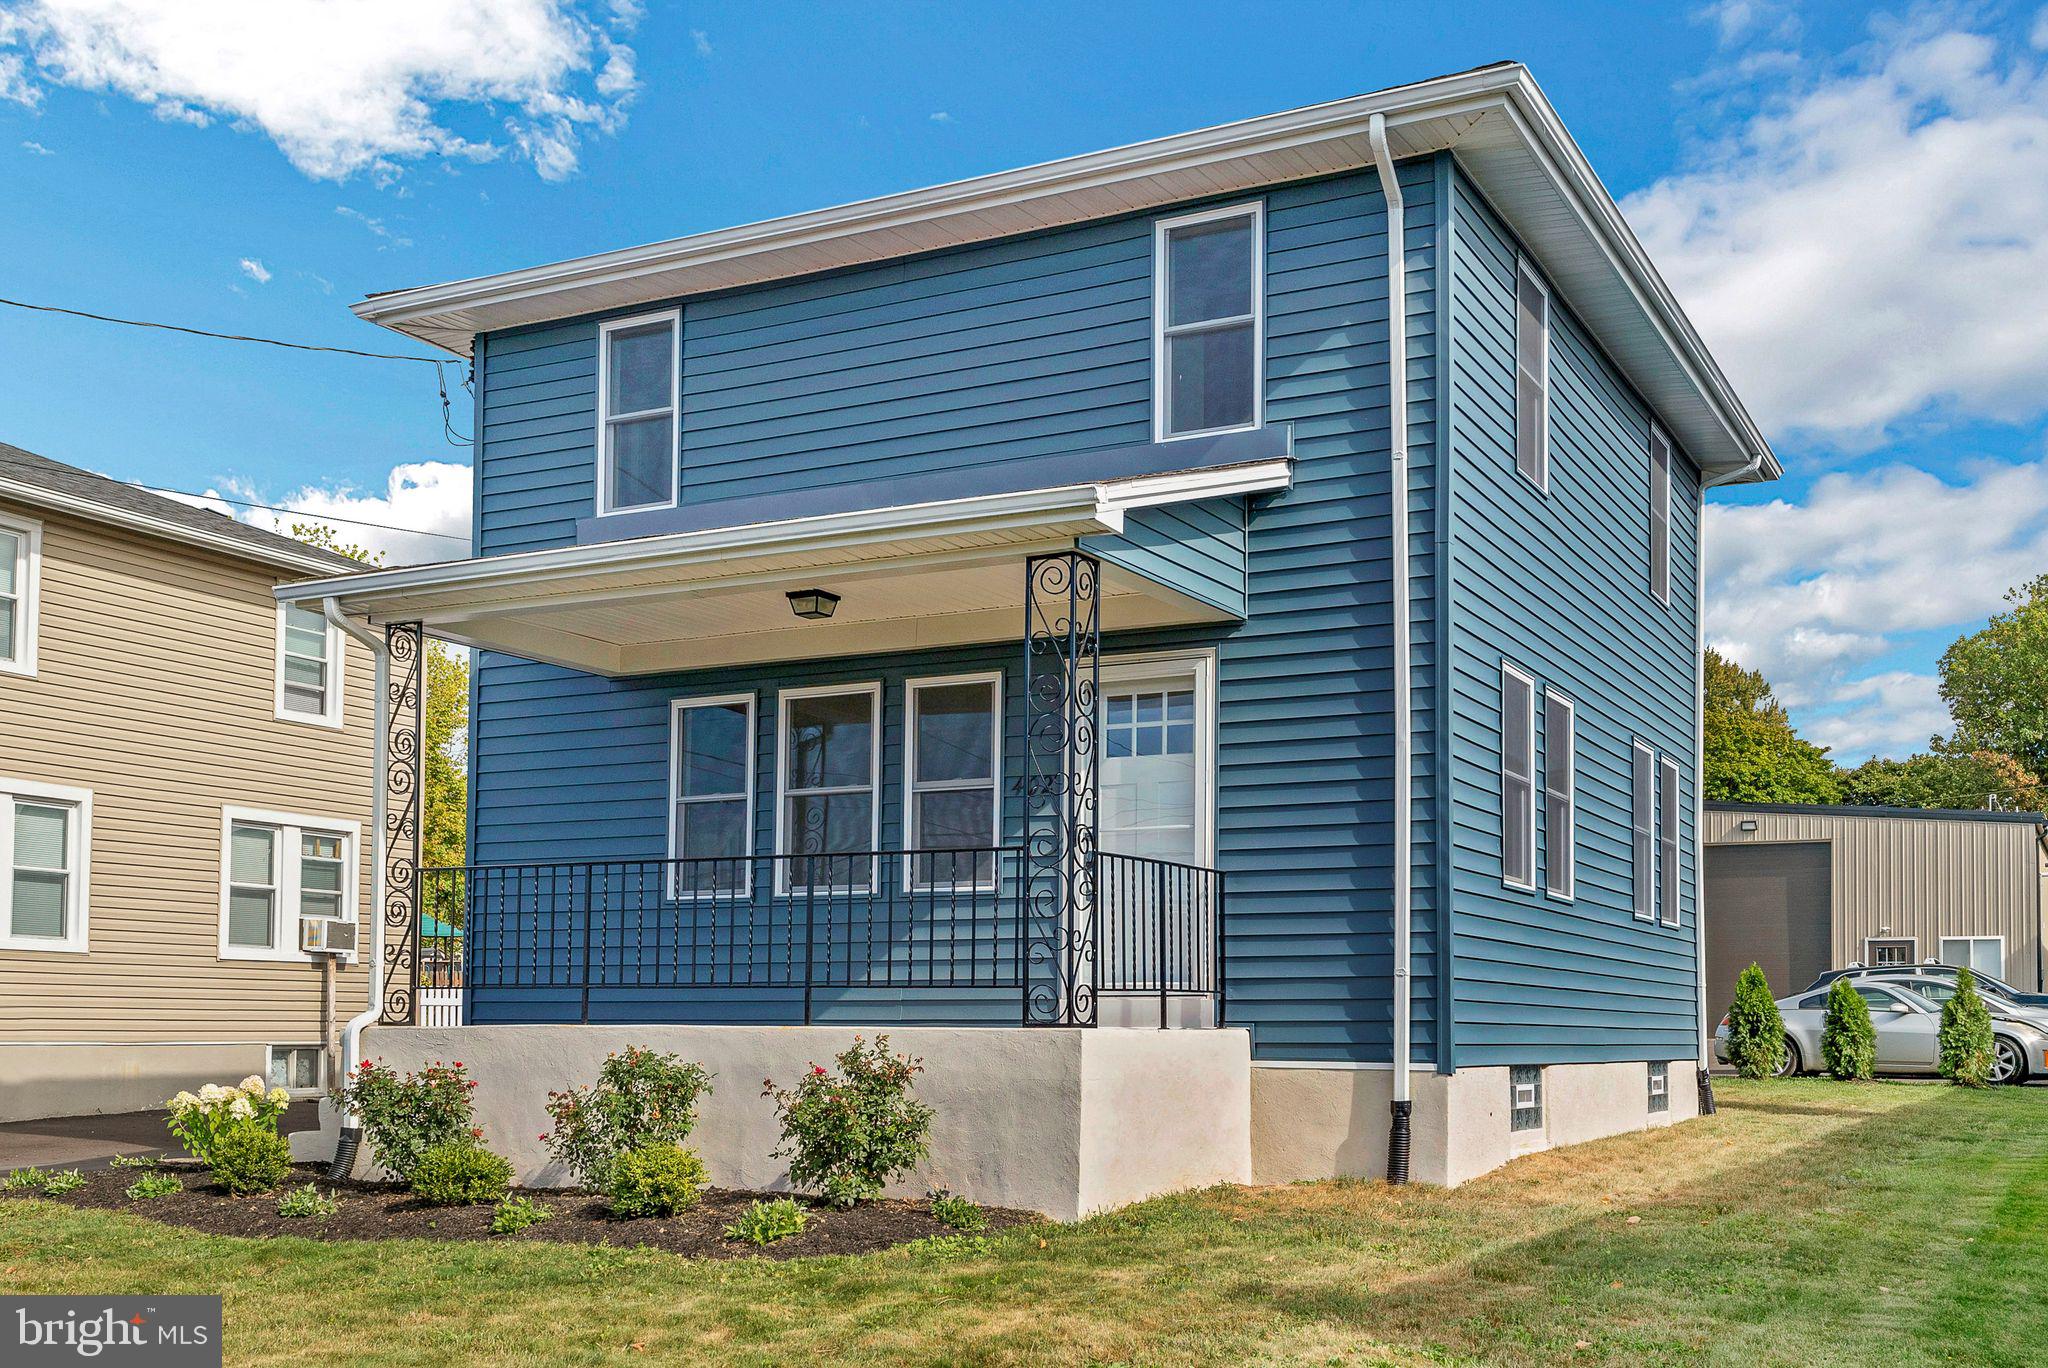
x: 155, y: 689
x: 1922, y: 877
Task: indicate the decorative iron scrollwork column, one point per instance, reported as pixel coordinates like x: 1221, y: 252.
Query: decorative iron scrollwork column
x: 404, y: 701
x: 1062, y: 674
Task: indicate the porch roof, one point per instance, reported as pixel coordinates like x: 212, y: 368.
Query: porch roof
x: 937, y: 572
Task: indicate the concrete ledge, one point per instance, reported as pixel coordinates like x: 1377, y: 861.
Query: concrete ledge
x: 1067, y: 1122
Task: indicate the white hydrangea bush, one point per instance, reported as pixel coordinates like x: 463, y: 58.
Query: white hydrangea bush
x: 200, y: 1119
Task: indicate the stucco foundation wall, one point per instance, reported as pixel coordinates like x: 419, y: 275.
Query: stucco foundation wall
x: 42, y: 1080
x: 1060, y: 1121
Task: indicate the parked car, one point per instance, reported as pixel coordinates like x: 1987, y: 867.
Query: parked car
x: 1931, y: 970
x: 1908, y: 1027
x: 1938, y: 990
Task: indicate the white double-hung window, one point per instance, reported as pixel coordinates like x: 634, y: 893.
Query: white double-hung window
x: 1660, y: 514
x: 1532, y: 377
x: 950, y: 772
x: 1517, y: 778
x: 637, y: 413
x: 1643, y: 833
x: 276, y: 870
x: 308, y: 666
x: 1560, y: 794
x: 45, y: 847
x: 1667, y: 840
x: 1208, y: 321
x: 713, y: 801
x: 20, y: 567
x: 828, y: 780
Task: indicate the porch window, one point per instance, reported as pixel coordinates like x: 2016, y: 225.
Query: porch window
x: 713, y: 788
x: 1532, y: 377
x: 636, y: 415
x: 829, y: 776
x: 1660, y: 514
x: 1560, y: 795
x: 1517, y: 778
x: 1667, y: 840
x: 955, y: 755
x: 279, y: 869
x: 19, y: 540
x: 1208, y: 311
x: 308, y: 660
x: 44, y: 840
x: 1642, y: 821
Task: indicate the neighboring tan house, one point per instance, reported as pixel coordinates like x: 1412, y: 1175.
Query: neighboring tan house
x: 184, y: 775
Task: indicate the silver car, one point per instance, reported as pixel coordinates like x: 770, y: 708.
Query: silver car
x: 1908, y: 1027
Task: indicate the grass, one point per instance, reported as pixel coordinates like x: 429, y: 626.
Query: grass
x: 1809, y: 1223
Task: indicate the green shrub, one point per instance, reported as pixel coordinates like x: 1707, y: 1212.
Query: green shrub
x: 308, y: 1203
x: 405, y: 1116
x: 641, y: 1098
x: 63, y: 1181
x: 764, y: 1223
x: 250, y: 1157
x: 200, y: 1119
x: 847, y: 1134
x: 1756, y: 1033
x: 958, y: 1212
x: 1848, y: 1042
x: 1966, y: 1034
x: 153, y: 1185
x: 148, y: 1161
x: 22, y: 1179
x: 515, y: 1214
x: 655, y: 1180
x: 461, y: 1173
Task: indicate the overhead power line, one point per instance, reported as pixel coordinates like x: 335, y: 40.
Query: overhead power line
x: 306, y: 513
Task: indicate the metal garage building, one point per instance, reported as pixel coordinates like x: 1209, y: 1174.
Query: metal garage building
x: 1803, y: 889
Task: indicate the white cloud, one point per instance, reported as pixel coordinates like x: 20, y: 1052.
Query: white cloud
x: 422, y: 515
x: 942, y: 117
x: 1735, y: 21
x: 1812, y: 593
x: 255, y: 270
x: 37, y: 149
x: 1870, y: 246
x: 340, y: 88
x: 375, y: 225
x: 702, y: 42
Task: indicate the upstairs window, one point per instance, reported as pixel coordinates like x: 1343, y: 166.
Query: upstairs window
x: 1642, y: 823
x: 713, y: 740
x: 636, y: 414
x: 20, y: 544
x: 1660, y: 514
x: 1532, y: 377
x: 45, y: 841
x: 1560, y: 795
x: 1208, y: 311
x: 955, y: 755
x: 308, y: 666
x: 1667, y: 841
x: 1517, y: 778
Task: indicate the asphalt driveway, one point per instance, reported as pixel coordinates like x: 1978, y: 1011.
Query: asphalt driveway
x: 69, y: 1141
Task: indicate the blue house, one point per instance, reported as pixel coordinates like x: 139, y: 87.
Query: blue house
x: 1246, y: 582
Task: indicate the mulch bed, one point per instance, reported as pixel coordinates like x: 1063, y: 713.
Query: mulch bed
x: 374, y: 1211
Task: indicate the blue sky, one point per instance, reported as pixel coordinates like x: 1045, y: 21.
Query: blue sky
x: 1851, y: 203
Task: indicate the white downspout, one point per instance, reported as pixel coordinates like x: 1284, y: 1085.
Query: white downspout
x: 352, y: 1033
x: 1404, y: 720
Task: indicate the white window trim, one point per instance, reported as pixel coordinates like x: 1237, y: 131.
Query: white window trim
x: 1940, y: 941
x: 676, y: 708
x: 1508, y: 672
x: 290, y: 826
x: 1161, y: 228
x: 77, y: 922
x: 1660, y: 588
x: 873, y: 690
x: 1670, y: 910
x: 1142, y: 665
x: 319, y: 1051
x: 1523, y: 268
x: 1911, y: 959
x: 337, y: 680
x: 672, y: 317
x: 1642, y: 760
x: 993, y: 678
x: 29, y: 593
x: 1571, y: 799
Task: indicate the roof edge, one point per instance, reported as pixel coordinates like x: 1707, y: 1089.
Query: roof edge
x: 1857, y: 810
x: 95, y: 511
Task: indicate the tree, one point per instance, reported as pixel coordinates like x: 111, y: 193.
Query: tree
x: 1756, y: 1033
x: 1966, y: 1034
x: 1992, y: 680
x: 1752, y: 753
x: 1848, y: 1042
x: 327, y: 539
x: 1947, y: 775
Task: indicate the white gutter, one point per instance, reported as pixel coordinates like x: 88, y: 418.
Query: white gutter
x: 352, y: 1033
x: 1404, y: 721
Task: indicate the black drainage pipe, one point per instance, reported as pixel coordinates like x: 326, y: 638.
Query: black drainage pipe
x: 345, y: 1152
x: 1397, y: 1142
x: 1706, y: 1094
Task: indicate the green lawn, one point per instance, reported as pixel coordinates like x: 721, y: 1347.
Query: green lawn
x: 1809, y: 1223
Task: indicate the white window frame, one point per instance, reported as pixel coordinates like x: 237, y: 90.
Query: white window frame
x: 291, y: 827
x: 28, y: 574
x: 1570, y: 797
x: 1541, y: 480
x: 911, y: 788
x: 1642, y: 818
x: 330, y: 714
x: 78, y: 856
x: 676, y: 708
x: 1670, y: 840
x: 1941, y: 941
x: 319, y: 1053
x: 1912, y: 956
x: 1660, y: 514
x: 605, y: 417
x: 1508, y: 672
x: 1201, y: 667
x: 1255, y: 210
x: 872, y: 689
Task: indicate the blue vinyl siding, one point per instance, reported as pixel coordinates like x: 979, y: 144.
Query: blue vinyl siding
x: 1558, y: 584
x: 1197, y: 548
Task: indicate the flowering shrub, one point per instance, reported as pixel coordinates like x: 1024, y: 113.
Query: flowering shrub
x: 153, y: 1185
x: 461, y: 1173
x: 404, y: 1117
x: 654, y: 1180
x: 847, y: 1134
x: 200, y: 1119
x: 764, y: 1223
x: 248, y: 1158
x: 641, y: 1099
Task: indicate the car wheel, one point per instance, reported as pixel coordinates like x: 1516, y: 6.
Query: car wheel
x: 1790, y: 1066
x: 2008, y: 1061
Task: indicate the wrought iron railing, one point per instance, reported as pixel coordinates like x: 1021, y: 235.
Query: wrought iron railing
x: 798, y: 926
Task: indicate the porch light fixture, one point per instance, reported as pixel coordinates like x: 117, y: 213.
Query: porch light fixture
x: 814, y: 604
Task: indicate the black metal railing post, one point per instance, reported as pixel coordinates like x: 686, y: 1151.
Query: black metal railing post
x: 589, y: 905
x: 1159, y: 965
x: 810, y: 939
x: 1221, y: 958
